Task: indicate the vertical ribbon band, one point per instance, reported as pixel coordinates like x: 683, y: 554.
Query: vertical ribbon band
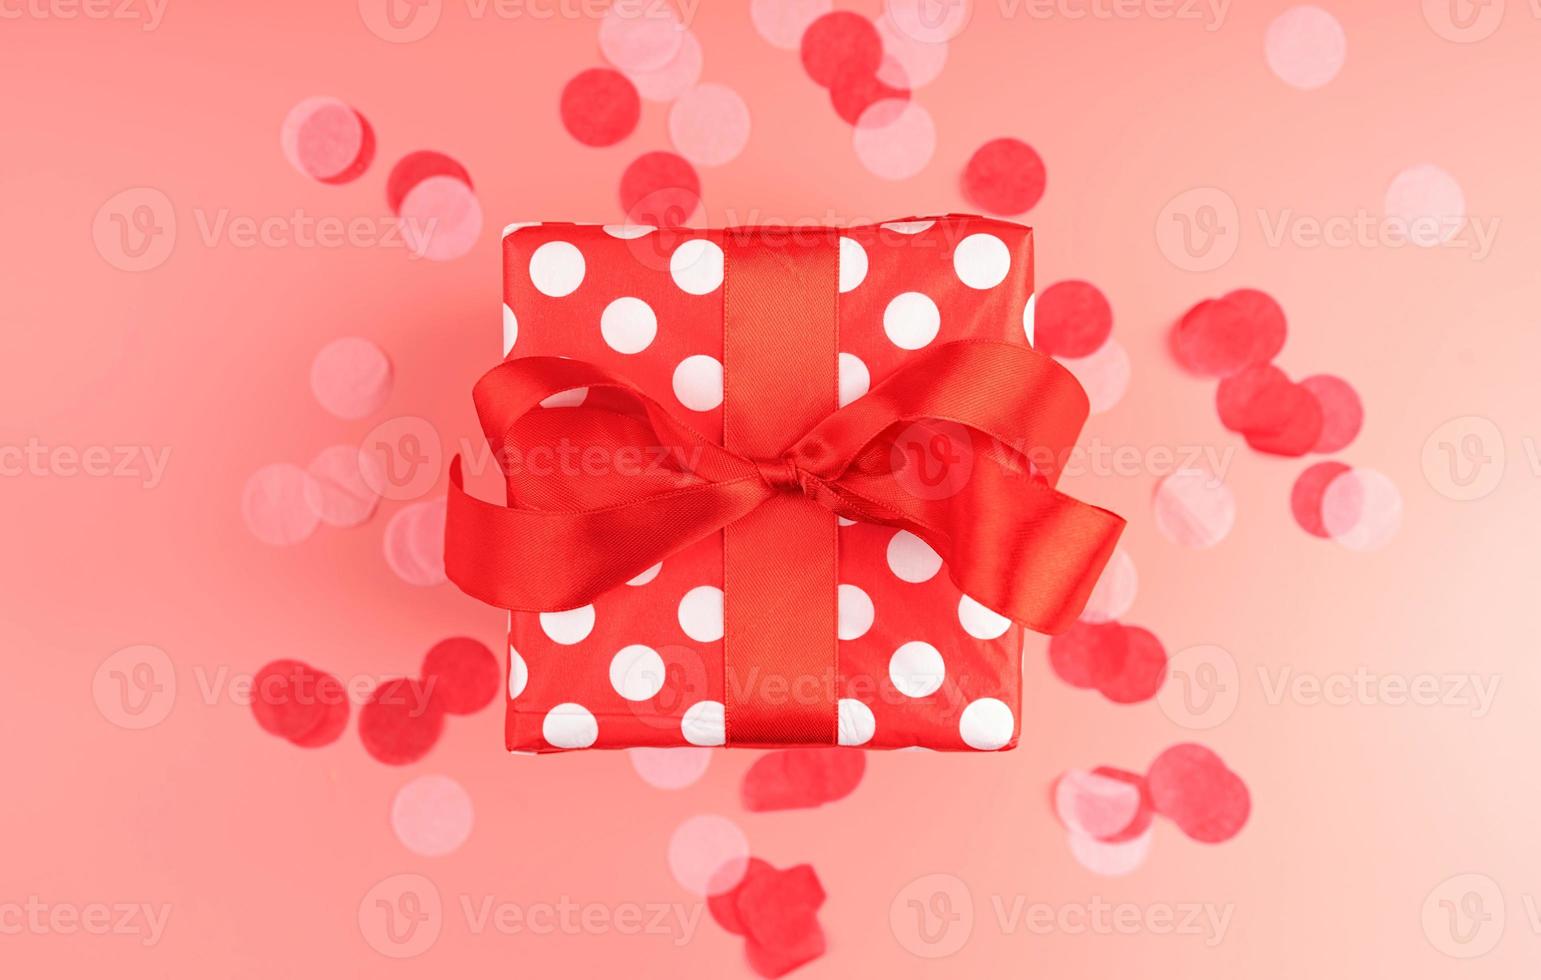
x: 780, y: 577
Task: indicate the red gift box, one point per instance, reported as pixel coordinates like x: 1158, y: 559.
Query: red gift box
x: 755, y: 476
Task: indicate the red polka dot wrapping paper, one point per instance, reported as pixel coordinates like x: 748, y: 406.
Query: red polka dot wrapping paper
x: 919, y: 662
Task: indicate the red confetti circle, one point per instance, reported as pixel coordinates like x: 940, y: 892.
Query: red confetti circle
x: 334, y: 718
x: 1189, y: 784
x: 841, y: 41
x: 723, y: 904
x: 283, y: 699
x: 1140, y: 674
x: 462, y: 675
x: 416, y: 167
x: 853, y: 91
x: 400, y: 722
x: 1255, y: 399
x: 1086, y: 653
x: 1300, y: 430
x: 600, y: 107
x: 801, y: 778
x: 660, y: 189
x: 1072, y: 319
x: 1218, y: 338
x: 1342, y: 412
x: 1306, y: 496
x: 1005, y: 176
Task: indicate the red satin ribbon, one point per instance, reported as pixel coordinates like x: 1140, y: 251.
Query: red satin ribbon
x: 646, y: 485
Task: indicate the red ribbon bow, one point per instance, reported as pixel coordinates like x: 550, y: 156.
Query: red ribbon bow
x: 616, y: 485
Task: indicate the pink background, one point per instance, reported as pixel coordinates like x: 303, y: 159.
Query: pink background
x: 264, y: 853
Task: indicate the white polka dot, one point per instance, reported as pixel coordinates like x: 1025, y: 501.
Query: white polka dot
x: 912, y: 559
x: 853, y: 264
x: 703, y: 723
x: 979, y: 622
x: 911, y: 320
x: 518, y: 673
x: 568, y: 627
x: 510, y: 329
x: 844, y: 521
x: 986, y: 724
x: 855, y: 379
x: 647, y: 576
x: 981, y: 261
x: 628, y: 325
x: 909, y: 227
x: 571, y: 398
x: 628, y: 232
x: 637, y: 672
x: 916, y: 669
x: 854, y: 722
x: 701, y: 613
x: 509, y: 229
x: 698, y: 382
x: 570, y: 726
x: 696, y: 266
x: 556, y: 268
x: 854, y: 611
x: 1028, y: 316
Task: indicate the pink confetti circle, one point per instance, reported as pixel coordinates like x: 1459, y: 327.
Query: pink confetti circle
x: 351, y: 377
x: 670, y: 81
x: 347, y: 497
x: 414, y: 543
x: 441, y: 218
x: 910, y: 62
x: 783, y: 22
x: 1095, y: 805
x: 673, y: 768
x: 432, y: 815
x: 709, y: 125
x: 326, y: 139
x: 895, y: 139
x: 1427, y: 203
x: 1104, y: 374
x: 281, y: 504
x: 708, y: 854
x: 416, y: 167
x: 1114, y: 592
x: 1111, y: 859
x: 1306, y: 498
x: 1194, y: 508
x: 931, y: 21
x: 1362, y: 510
x: 1305, y: 47
x: 640, y: 35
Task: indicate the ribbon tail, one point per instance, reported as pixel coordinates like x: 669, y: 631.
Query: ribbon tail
x: 490, y: 551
